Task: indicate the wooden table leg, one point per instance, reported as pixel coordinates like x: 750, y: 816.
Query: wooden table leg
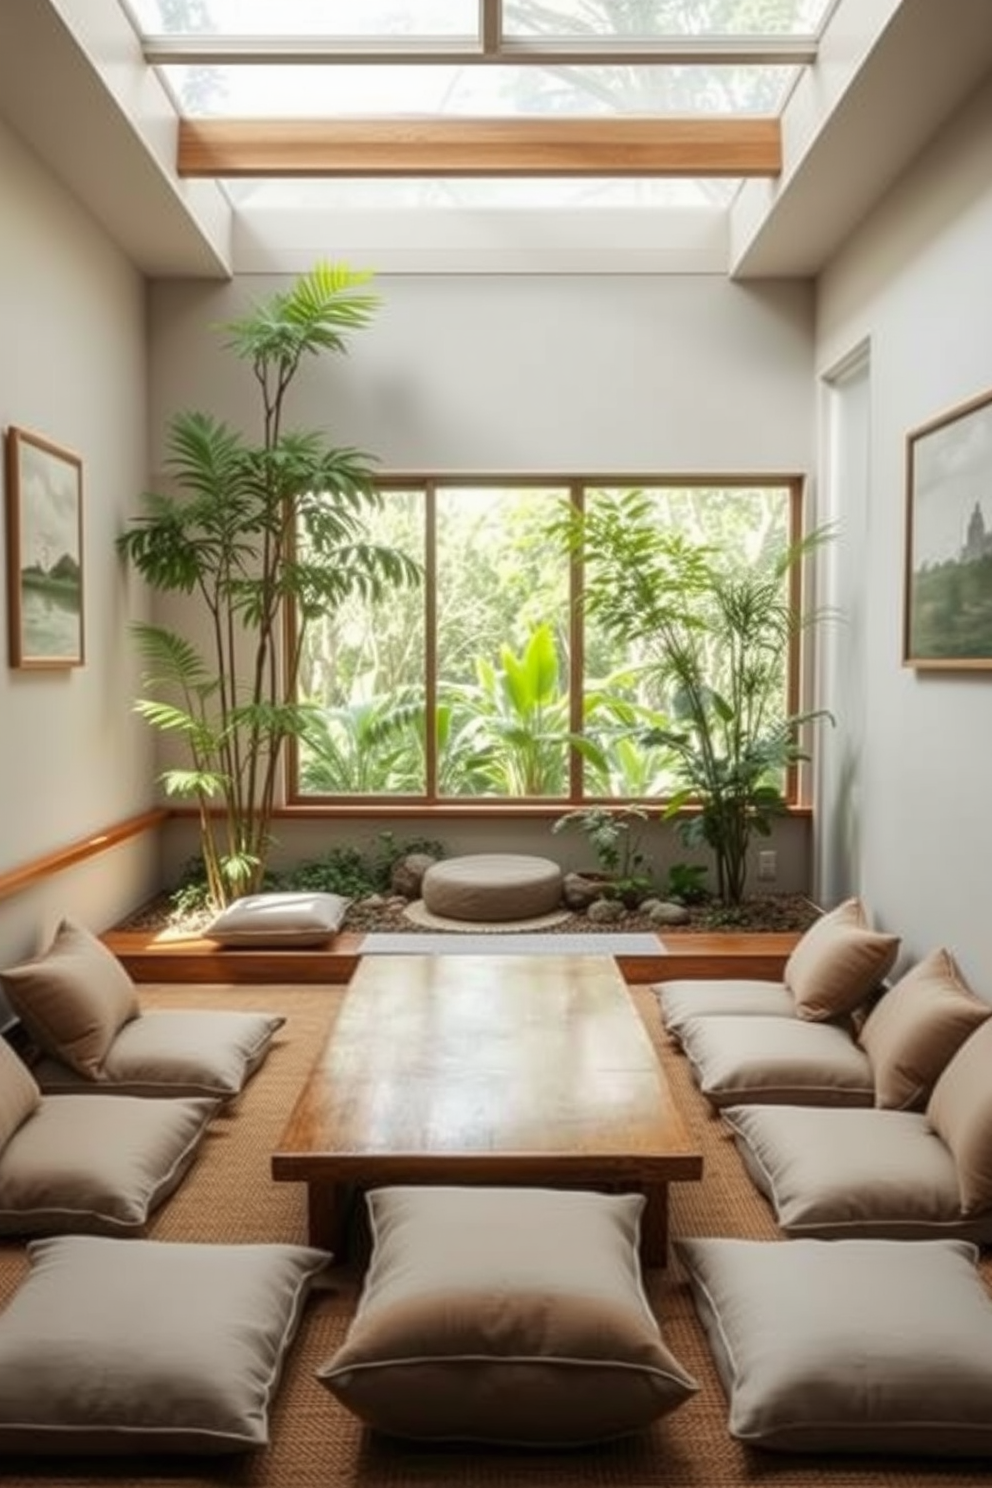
x: 328, y: 1213
x: 654, y: 1225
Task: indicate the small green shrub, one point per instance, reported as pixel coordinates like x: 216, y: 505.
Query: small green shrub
x: 344, y: 870
x: 684, y: 884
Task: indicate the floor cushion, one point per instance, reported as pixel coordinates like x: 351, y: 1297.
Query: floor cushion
x: 99, y: 1165
x: 73, y: 999
x: 19, y: 1093
x: 782, y: 1060
x: 916, y: 1028
x: 492, y: 887
x: 849, y: 1346
x: 148, y: 1347
x: 81, y: 1010
x: 832, y: 1173
x: 838, y: 963
x: 739, y: 996
x: 960, y: 1111
x: 505, y: 1315
x: 290, y: 919
x: 174, y: 1052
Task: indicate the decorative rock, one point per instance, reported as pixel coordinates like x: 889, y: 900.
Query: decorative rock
x: 663, y: 913
x: 408, y: 874
x: 372, y: 901
x: 605, y: 912
x: 579, y: 891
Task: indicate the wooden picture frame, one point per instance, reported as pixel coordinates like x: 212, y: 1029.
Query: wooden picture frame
x: 947, y: 612
x: 44, y: 552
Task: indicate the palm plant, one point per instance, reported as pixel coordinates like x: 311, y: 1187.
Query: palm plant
x: 716, y: 634
x: 268, y: 536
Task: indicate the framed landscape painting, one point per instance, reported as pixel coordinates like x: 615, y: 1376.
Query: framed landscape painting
x: 948, y: 603
x: 44, y: 552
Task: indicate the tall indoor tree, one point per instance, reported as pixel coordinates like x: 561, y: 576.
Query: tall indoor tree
x: 268, y: 535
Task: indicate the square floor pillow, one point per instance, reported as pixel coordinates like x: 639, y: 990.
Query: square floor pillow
x: 512, y: 1316
x: 849, y: 1345
x: 834, y: 1173
x: 97, y: 1164
x: 20, y: 1095
x: 734, y: 996
x: 112, y: 1347
x: 838, y: 963
x: 960, y: 1111
x: 73, y: 999
x: 288, y: 919
x: 174, y: 1051
x: 781, y: 1061
x: 917, y: 1027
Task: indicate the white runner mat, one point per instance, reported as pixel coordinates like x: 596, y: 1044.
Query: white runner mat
x: 591, y: 943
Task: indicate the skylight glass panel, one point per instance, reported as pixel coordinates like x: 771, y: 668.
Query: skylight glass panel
x: 547, y: 194
x: 372, y: 19
x: 318, y: 91
x: 633, y: 20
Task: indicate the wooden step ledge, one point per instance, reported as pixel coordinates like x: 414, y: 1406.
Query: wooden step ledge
x: 156, y: 956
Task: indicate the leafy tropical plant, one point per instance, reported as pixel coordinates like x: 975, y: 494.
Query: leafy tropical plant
x: 716, y: 631
x: 259, y: 532
x: 615, y: 835
x: 520, y: 717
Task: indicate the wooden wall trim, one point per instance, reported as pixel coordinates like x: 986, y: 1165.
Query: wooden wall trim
x: 16, y: 879
x: 480, y: 147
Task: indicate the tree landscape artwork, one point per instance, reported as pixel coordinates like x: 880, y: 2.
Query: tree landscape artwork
x: 948, y: 608
x: 45, y: 552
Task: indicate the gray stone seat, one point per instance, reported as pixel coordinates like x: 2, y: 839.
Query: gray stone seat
x: 493, y: 887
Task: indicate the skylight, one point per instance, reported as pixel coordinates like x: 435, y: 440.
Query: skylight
x: 334, y: 61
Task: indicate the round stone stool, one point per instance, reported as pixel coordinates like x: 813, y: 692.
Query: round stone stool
x: 492, y: 886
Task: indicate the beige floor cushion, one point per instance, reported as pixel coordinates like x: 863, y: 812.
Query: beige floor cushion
x: 736, y: 996
x: 784, y: 1061
x: 960, y: 1111
x: 174, y: 1052
x: 505, y: 1315
x: 838, y: 963
x: 492, y: 887
x: 917, y: 1027
x: 872, y: 1174
x: 96, y: 1164
x: 73, y: 999
x: 849, y: 1346
x: 81, y: 1009
x: 144, y: 1347
x: 290, y: 919
x: 19, y: 1093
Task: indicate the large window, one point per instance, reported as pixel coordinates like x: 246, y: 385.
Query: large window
x: 489, y: 683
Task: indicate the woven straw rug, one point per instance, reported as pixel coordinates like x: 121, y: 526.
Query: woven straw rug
x: 229, y: 1197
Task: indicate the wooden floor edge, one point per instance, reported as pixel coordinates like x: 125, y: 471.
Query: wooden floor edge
x: 148, y: 957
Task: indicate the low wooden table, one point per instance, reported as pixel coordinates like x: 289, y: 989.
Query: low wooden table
x: 524, y: 1070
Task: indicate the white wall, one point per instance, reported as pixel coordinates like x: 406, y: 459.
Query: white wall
x: 73, y: 758
x: 588, y: 374
x: 915, y: 282
x: 526, y: 372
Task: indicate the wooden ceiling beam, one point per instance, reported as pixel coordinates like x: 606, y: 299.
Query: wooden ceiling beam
x: 480, y: 147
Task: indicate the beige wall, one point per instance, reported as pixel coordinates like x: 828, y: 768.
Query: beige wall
x: 913, y: 286
x: 73, y: 758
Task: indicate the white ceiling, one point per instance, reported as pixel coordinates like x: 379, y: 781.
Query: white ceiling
x: 74, y: 86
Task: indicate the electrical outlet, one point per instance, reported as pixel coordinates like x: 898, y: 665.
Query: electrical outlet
x: 767, y: 865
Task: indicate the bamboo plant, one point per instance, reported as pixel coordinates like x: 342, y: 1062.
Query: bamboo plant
x: 265, y: 534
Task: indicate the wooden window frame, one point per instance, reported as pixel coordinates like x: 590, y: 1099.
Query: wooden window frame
x: 432, y: 804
